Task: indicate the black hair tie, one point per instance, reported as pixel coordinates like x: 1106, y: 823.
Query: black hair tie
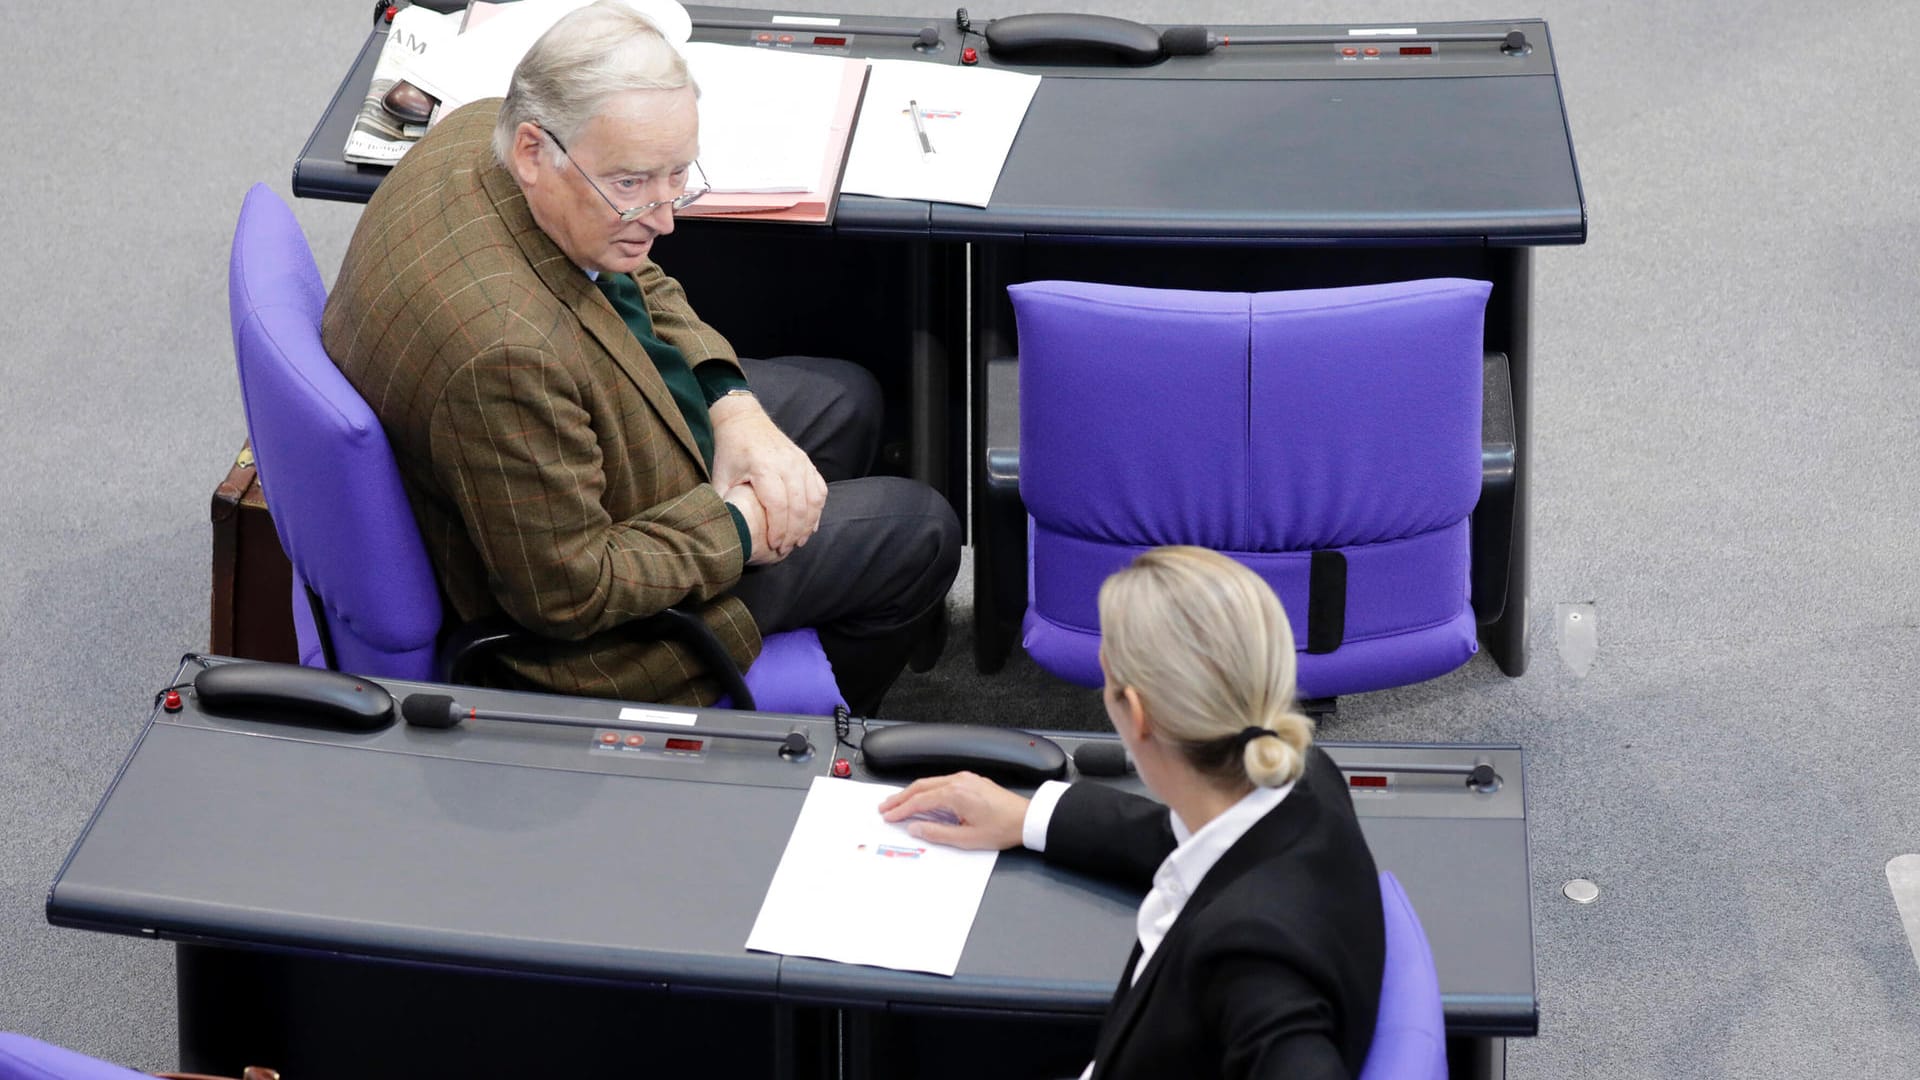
x: 1248, y: 734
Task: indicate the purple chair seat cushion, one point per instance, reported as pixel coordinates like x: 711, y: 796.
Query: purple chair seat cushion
x: 792, y: 675
x: 22, y: 1058
x: 1407, y: 616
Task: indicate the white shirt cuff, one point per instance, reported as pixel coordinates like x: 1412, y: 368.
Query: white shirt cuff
x: 1033, y: 831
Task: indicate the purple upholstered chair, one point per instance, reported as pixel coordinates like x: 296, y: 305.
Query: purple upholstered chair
x: 337, y: 500
x: 1327, y: 438
x: 22, y: 1058
x: 1410, y: 1037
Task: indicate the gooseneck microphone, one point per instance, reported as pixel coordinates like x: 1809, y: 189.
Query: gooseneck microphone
x: 442, y: 711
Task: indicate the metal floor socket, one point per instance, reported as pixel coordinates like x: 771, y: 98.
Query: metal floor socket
x: 1903, y: 877
x: 1578, y: 630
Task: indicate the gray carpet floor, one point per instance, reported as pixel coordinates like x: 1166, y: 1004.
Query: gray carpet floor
x: 1728, y: 417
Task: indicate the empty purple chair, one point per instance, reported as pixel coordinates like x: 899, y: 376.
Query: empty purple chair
x: 1327, y: 438
x: 365, y: 598
x: 1410, y: 1037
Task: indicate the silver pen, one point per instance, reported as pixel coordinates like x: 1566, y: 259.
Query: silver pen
x: 920, y: 128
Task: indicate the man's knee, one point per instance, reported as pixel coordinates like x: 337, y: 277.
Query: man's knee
x: 831, y: 407
x: 855, y: 412
x: 925, y: 541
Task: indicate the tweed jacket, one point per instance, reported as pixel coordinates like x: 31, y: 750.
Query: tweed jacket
x: 550, y: 471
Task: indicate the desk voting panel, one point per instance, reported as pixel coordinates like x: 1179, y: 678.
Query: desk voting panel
x: 546, y: 864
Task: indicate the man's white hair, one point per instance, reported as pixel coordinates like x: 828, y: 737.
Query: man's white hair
x: 591, y: 54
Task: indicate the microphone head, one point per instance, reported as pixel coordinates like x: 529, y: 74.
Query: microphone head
x: 1186, y: 41
x: 1101, y: 758
x: 428, y: 710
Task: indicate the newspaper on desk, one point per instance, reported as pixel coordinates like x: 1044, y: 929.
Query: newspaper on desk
x: 379, y: 137
x: 853, y: 888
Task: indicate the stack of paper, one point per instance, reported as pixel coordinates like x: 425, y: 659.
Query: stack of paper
x: 774, y: 128
x: 853, y: 888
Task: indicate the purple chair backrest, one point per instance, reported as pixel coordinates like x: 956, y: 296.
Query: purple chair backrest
x: 1410, y: 1036
x: 325, y: 466
x: 1268, y: 426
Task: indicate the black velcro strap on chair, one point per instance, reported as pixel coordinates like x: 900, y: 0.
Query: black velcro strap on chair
x: 1326, y: 601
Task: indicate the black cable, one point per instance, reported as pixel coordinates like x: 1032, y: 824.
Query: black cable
x: 843, y: 726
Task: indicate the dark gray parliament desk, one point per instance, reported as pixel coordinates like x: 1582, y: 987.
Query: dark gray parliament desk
x: 505, y: 897
x: 1254, y: 167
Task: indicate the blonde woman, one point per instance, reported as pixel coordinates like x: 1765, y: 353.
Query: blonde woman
x: 1260, y: 944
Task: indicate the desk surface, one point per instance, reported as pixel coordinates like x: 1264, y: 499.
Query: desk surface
x: 1253, y: 144
x: 516, y: 848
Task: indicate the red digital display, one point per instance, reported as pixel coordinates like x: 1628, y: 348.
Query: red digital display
x: 1367, y: 781
x: 684, y: 744
x: 834, y: 41
x: 1416, y: 50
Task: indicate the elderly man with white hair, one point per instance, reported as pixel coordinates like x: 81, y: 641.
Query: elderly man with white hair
x: 579, y: 448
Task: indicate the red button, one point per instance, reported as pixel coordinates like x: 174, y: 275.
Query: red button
x: 635, y: 740
x: 786, y: 39
x: 763, y: 37
x: 172, y: 703
x: 1349, y: 51
x: 1371, y: 51
x: 969, y: 56
x: 609, y: 738
x: 842, y: 768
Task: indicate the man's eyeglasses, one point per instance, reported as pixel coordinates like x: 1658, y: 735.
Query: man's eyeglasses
x: 693, y: 191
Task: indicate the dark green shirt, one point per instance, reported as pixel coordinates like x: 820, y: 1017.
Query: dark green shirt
x: 694, y: 391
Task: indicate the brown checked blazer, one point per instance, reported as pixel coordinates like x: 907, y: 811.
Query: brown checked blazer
x: 551, y: 474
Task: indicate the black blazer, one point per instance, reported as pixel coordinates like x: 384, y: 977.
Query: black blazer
x: 1273, y: 967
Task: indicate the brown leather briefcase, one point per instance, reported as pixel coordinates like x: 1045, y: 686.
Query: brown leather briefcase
x: 252, y: 580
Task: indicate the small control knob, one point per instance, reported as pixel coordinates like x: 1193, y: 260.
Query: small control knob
x: 1515, y: 44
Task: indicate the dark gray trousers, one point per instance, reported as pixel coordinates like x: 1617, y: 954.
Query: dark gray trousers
x: 888, y: 547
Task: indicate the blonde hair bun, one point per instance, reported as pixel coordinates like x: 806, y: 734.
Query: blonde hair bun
x: 1280, y: 759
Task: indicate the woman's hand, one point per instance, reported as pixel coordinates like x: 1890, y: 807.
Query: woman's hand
x: 984, y: 816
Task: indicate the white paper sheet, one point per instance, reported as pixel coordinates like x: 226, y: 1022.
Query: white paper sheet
x: 766, y: 117
x: 971, y: 117
x: 853, y: 888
